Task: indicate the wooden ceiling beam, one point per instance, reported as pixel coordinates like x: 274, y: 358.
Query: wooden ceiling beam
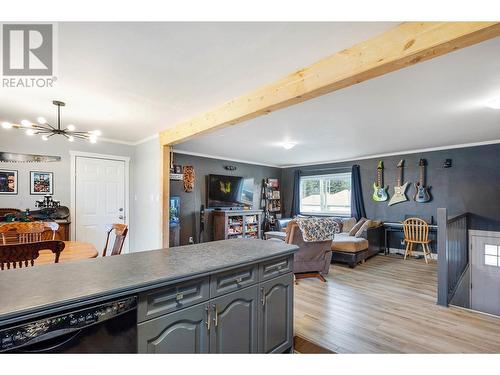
x: 405, y: 45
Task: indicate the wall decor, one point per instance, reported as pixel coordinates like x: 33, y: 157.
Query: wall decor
x: 41, y: 183
x: 13, y: 157
x: 447, y: 163
x: 188, y: 172
x: 400, y: 188
x: 379, y: 191
x: 8, y: 182
x: 422, y: 194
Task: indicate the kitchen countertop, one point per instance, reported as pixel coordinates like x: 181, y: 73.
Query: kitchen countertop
x: 31, y: 292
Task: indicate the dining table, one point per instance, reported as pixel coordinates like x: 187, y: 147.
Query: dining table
x: 73, y: 251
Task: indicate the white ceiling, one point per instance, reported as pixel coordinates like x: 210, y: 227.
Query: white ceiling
x: 131, y: 80
x: 434, y: 104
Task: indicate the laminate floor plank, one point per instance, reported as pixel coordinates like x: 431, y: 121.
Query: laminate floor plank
x: 388, y: 305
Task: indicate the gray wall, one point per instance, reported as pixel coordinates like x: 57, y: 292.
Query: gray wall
x: 191, y: 202
x: 471, y: 185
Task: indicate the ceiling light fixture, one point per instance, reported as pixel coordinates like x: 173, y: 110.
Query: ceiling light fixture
x: 493, y: 103
x: 288, y: 145
x: 43, y: 128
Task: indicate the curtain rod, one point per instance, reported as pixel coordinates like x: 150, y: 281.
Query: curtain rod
x: 325, y: 169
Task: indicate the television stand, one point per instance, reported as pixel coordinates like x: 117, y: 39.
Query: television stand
x: 239, y: 223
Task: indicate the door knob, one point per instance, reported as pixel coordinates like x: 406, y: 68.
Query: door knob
x: 120, y: 217
x: 120, y: 209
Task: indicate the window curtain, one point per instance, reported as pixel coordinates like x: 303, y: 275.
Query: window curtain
x: 296, y: 193
x: 357, y: 203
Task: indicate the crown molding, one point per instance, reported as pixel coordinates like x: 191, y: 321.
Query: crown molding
x: 223, y: 158
x: 414, y: 151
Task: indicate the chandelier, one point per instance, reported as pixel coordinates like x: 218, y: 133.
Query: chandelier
x: 46, y: 130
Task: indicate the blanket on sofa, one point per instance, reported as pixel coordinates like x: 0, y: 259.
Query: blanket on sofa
x: 316, y: 229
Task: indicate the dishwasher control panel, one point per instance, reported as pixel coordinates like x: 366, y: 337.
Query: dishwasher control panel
x: 53, y: 326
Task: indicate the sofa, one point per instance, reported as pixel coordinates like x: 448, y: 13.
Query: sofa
x: 348, y: 249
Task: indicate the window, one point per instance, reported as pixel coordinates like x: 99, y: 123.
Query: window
x: 492, y: 255
x: 326, y: 194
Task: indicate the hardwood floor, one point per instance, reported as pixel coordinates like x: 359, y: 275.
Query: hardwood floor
x: 388, y: 305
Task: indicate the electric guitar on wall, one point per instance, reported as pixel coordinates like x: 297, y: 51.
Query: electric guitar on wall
x: 399, y: 190
x: 379, y: 191
x: 422, y: 194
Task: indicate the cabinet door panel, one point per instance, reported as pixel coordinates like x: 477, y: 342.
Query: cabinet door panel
x: 235, y: 318
x: 184, y: 331
x: 276, y: 315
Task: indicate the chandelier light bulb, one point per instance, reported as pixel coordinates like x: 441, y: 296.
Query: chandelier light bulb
x: 97, y: 133
x: 71, y: 138
x: 41, y: 120
x: 6, y: 125
x: 93, y: 138
x: 26, y: 124
x: 45, y: 138
x: 71, y: 127
x: 30, y: 132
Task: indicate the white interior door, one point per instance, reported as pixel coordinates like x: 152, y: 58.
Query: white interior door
x: 485, y: 274
x: 99, y: 199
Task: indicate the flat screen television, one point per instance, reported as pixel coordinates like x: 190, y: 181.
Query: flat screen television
x: 229, y: 191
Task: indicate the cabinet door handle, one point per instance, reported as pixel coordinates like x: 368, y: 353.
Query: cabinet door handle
x: 263, y: 297
x: 216, y: 317
x: 207, y: 309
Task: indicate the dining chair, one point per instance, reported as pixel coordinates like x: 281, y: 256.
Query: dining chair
x: 120, y: 233
x: 52, y: 226
x: 17, y: 255
x: 22, y: 232
x: 416, y: 231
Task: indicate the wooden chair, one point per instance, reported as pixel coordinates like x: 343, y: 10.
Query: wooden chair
x: 120, y: 232
x: 416, y: 232
x: 19, y: 232
x: 52, y: 226
x: 14, y: 255
x: 22, y: 232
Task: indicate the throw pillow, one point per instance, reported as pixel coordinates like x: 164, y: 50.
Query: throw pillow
x: 347, y: 224
x: 356, y: 227
x: 364, y: 227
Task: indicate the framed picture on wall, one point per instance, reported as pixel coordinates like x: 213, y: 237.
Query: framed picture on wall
x: 8, y: 182
x: 41, y: 183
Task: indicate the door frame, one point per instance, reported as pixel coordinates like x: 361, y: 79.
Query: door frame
x: 126, y: 159
x: 478, y: 233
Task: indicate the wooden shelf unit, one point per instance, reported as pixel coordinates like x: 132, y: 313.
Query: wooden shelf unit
x: 271, y: 200
x: 230, y: 224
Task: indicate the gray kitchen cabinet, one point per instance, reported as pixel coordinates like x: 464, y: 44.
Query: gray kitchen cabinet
x: 184, y: 331
x: 247, y: 309
x: 235, y: 322
x: 276, y: 314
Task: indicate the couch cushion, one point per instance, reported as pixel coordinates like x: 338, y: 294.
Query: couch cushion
x: 350, y: 244
x: 356, y: 227
x: 347, y: 224
x: 365, y: 226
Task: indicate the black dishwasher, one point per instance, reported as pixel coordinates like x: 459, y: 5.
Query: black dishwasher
x: 109, y: 327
